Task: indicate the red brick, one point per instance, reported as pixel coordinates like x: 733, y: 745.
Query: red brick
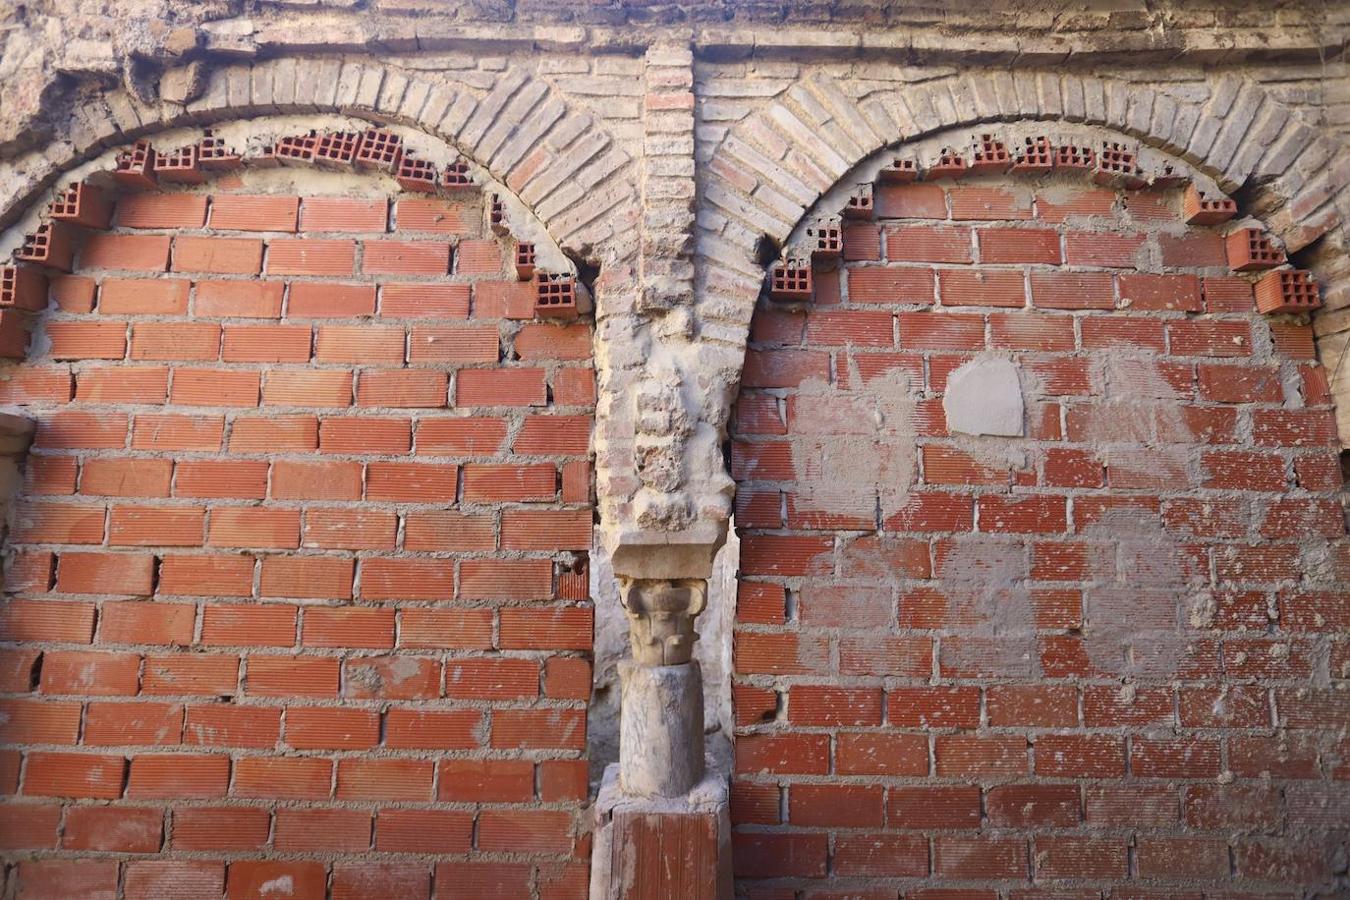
x: 405, y: 257
x: 384, y: 779
x: 862, y: 753
x: 143, y: 252
x: 212, y: 576
x: 365, y: 434
x: 143, y: 296
x: 1160, y: 293
x: 1019, y: 245
x: 308, y: 387
x: 1033, y: 805
x: 239, y: 299
x: 320, y: 577
x: 344, y: 214
x: 214, y: 387
x: 123, y: 384
x: 74, y: 775
x: 500, y: 387
x: 217, y: 255
x: 246, y: 624
x: 254, y: 527
x: 148, y: 879
x: 972, y: 756
x: 248, y: 879
x: 87, y: 340
x: 266, y: 343
x: 989, y: 203
x: 466, y: 344
x: 936, y: 243
x: 1072, y: 290
x: 332, y: 729
x: 367, y: 344
x: 290, y: 676
x: 161, y: 210
x: 424, y: 831
x: 1108, y: 249
x: 910, y: 201
x: 228, y: 725
x: 433, y: 301
x: 312, y: 299
x: 283, y: 778
x: 979, y: 857
x: 178, y: 340
x: 342, y: 529
x: 147, y: 623
x: 981, y: 288
x: 437, y: 215
x: 308, y: 256
x: 73, y: 293
x: 173, y: 432
x: 59, y: 879
x: 220, y: 828
x: 178, y: 776
x: 252, y: 212
x: 199, y: 674
x: 82, y: 431
x: 105, y: 573
x: 149, y: 526
x: 547, y: 629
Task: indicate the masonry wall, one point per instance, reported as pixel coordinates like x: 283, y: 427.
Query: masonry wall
x: 1098, y: 658
x: 297, y: 590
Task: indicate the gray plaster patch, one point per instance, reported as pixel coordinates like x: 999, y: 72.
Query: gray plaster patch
x: 984, y: 396
x: 985, y: 581
x: 1141, y: 618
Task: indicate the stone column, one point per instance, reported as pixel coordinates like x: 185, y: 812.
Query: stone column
x: 661, y: 711
x: 664, y: 823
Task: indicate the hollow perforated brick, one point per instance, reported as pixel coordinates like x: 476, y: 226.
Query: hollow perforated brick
x: 82, y: 204
x: 900, y: 171
x: 14, y: 333
x: 990, y: 156
x: 1118, y: 165
x: 295, y: 149
x: 859, y: 204
x: 1197, y: 209
x: 379, y: 149
x: 497, y: 216
x: 336, y: 150
x: 826, y: 240
x: 22, y: 287
x: 1074, y: 156
x: 1287, y: 290
x: 1037, y: 156
x: 950, y: 164
x: 214, y: 155
x: 1250, y: 249
x: 180, y: 166
x: 51, y: 246
x: 524, y: 261
x: 456, y: 175
x: 135, y: 168
x: 555, y: 296
x: 416, y: 174
x: 790, y: 282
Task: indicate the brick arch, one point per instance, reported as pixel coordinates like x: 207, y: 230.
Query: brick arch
x: 255, y: 609
x: 522, y: 133
x: 929, y: 630
x: 776, y: 164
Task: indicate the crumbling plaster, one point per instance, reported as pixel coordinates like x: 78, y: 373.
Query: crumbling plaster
x: 660, y: 145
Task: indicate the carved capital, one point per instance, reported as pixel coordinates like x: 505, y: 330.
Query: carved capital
x: 661, y: 617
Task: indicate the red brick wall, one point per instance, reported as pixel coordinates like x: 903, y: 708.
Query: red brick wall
x: 1108, y: 657
x: 297, y: 585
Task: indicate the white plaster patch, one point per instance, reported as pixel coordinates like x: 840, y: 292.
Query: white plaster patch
x: 984, y: 396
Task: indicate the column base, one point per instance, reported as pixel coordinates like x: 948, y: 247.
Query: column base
x: 662, y: 848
